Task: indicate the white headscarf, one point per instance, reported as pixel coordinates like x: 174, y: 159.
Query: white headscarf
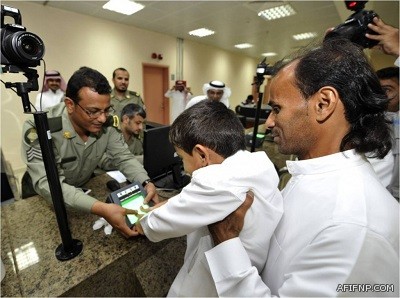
x: 218, y: 85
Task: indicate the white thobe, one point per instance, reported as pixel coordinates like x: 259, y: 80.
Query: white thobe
x: 340, y: 229
x: 213, y: 193
x: 49, y: 99
x: 178, y: 102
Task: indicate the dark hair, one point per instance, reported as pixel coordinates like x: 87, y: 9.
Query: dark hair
x: 86, y: 77
x: 115, y: 71
x: 342, y: 64
x: 388, y: 73
x: 131, y: 109
x: 211, y: 124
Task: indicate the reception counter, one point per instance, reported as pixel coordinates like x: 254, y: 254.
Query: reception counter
x: 107, y: 266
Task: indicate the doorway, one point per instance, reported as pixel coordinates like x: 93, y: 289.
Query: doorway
x: 155, y: 84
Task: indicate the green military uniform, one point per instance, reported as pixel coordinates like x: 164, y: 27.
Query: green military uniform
x: 135, y: 145
x: 76, y: 159
x: 129, y: 97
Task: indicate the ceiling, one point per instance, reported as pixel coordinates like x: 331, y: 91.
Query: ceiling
x: 234, y: 21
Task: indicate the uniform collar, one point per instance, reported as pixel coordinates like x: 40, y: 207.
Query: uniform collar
x: 126, y: 95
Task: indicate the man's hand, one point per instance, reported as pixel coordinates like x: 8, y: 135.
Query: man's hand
x: 388, y: 37
x: 231, y: 225
x: 151, y: 194
x: 115, y: 215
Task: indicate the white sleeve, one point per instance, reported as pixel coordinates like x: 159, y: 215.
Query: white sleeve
x: 168, y: 93
x: 193, y: 208
x: 233, y: 274
x: 397, y: 62
x: 37, y: 103
x: 338, y: 256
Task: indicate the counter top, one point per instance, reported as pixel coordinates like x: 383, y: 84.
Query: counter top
x: 107, y: 266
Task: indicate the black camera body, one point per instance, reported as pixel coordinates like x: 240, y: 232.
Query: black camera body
x: 19, y: 47
x: 355, y: 27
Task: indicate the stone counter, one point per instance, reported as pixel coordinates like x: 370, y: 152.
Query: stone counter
x: 107, y: 266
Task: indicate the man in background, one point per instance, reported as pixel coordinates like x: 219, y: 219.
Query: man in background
x: 132, y: 124
x: 120, y: 95
x: 53, y: 91
x: 389, y: 79
x: 180, y: 95
x: 214, y: 90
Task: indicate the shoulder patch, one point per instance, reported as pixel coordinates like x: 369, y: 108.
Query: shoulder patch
x: 31, y: 136
x: 112, y: 120
x: 55, y: 124
x: 134, y: 93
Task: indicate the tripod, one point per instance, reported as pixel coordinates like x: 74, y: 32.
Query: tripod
x: 69, y: 248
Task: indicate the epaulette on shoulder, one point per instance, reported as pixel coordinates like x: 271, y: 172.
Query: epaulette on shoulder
x: 134, y: 93
x: 112, y: 120
x: 55, y: 124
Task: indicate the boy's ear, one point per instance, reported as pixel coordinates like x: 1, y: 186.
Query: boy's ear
x: 325, y: 103
x: 202, y: 152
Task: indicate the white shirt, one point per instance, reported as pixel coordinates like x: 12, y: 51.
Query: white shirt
x: 199, y: 98
x: 214, y: 192
x: 383, y: 167
x: 340, y: 226
x: 179, y: 101
x: 49, y: 99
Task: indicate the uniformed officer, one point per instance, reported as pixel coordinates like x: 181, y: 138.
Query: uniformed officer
x: 120, y: 95
x: 132, y: 121
x: 81, y: 135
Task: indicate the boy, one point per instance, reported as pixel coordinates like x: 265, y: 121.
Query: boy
x: 211, y: 142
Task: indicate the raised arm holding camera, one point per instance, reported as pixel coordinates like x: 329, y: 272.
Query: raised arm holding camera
x: 387, y: 36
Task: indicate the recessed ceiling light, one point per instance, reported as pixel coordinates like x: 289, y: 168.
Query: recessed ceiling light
x: 201, y: 32
x: 306, y: 35
x: 123, y: 6
x: 243, y: 46
x: 277, y: 12
x: 269, y: 54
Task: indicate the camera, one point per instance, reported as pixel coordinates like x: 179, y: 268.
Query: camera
x: 264, y: 69
x: 18, y: 47
x: 355, y: 27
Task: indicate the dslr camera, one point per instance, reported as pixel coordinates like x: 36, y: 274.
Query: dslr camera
x: 18, y: 47
x: 355, y: 27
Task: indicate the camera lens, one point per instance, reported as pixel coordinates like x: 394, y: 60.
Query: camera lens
x: 22, y: 47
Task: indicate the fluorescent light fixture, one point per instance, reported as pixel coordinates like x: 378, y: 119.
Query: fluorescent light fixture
x: 243, y: 46
x: 201, y: 32
x: 269, y: 54
x: 306, y: 35
x: 277, y: 12
x: 123, y: 6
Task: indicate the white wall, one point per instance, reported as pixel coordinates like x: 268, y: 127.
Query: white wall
x: 73, y: 40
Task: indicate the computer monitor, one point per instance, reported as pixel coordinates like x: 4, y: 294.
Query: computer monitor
x: 159, y: 157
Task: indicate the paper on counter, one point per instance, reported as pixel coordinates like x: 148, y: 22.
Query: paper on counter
x: 117, y: 175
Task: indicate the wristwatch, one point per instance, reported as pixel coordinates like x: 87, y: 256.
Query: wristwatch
x: 145, y: 182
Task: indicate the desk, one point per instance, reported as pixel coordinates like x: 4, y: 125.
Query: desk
x: 107, y: 266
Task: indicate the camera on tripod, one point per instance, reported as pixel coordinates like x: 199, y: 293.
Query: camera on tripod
x: 355, y: 27
x: 18, y: 47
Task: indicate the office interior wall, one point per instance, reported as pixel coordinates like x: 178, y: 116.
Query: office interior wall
x: 73, y: 40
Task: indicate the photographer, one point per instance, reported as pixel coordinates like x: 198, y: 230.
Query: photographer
x: 180, y: 95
